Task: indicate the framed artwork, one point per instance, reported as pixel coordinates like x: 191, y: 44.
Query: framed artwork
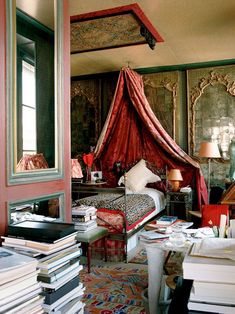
x: 162, y: 90
x: 211, y: 107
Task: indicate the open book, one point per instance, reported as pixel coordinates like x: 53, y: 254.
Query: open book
x: 215, y: 247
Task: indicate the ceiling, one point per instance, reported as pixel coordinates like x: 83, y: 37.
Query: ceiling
x: 194, y: 31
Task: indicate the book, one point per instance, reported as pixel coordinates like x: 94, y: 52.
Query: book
x: 28, y: 306
x: 85, y: 225
x: 51, y: 296
x: 76, y: 292
x: 18, y: 284
x: 215, y: 247
x: 82, y: 218
x: 15, y: 301
x: 84, y: 210
x: 163, y: 229
x: 79, y: 229
x: 63, y: 280
x: 211, y: 307
x: 42, y: 246
x: 214, y: 289
x: 208, y: 269
x: 166, y: 220
x: 59, y: 258
x: 40, y: 230
x: 40, y: 252
x: 150, y: 235
x: 221, y: 298
x: 56, y: 275
x: 74, y: 306
x: 21, y: 293
x: 14, y: 265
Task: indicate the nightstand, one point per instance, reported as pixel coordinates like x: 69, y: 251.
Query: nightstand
x: 179, y: 204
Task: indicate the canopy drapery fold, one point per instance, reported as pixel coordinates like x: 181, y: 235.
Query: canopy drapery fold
x: 132, y: 131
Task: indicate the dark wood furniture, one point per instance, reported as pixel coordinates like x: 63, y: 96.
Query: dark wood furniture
x: 179, y: 204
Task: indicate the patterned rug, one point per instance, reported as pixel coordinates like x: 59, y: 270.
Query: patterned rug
x: 112, y: 289
x: 140, y: 257
x: 173, y: 266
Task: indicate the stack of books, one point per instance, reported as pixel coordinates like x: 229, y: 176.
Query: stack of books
x: 19, y: 288
x: 57, y: 262
x: 211, y: 265
x: 59, y: 277
x: 84, y: 218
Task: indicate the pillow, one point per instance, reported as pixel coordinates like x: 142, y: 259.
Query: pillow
x: 138, y: 176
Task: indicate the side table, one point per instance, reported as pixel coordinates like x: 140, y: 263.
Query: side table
x: 90, y: 237
x: 184, y: 199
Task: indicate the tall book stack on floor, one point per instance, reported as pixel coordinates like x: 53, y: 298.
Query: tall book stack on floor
x: 84, y: 218
x: 211, y: 266
x: 19, y: 288
x: 57, y: 262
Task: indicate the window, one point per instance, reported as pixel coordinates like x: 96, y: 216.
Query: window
x: 28, y: 109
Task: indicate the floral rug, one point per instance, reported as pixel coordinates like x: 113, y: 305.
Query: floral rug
x: 114, y: 289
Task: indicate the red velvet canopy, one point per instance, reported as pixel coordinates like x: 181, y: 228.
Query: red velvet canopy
x: 132, y: 132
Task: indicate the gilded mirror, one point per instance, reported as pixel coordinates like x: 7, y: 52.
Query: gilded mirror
x: 34, y: 99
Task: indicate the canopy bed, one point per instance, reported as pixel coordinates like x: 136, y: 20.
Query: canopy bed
x: 131, y: 134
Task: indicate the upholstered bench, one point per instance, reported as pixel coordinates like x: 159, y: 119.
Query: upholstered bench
x: 90, y: 237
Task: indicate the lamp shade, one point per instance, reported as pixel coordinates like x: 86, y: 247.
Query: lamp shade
x: 209, y: 150
x: 76, y: 170
x: 175, y: 175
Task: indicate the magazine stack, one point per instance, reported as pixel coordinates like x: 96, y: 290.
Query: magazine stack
x: 57, y: 259
x: 84, y: 218
x: 19, y: 288
x: 211, y: 265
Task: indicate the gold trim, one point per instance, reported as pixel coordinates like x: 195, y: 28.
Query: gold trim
x: 197, y: 91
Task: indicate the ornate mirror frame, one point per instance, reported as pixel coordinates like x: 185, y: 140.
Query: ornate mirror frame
x: 39, y: 174
x: 196, y: 87
x: 170, y: 82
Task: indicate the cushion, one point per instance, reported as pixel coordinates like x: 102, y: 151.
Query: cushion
x: 138, y: 176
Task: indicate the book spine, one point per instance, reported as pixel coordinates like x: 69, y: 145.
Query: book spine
x: 56, y: 275
x: 53, y: 296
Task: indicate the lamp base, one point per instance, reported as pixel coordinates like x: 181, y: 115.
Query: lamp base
x: 175, y: 186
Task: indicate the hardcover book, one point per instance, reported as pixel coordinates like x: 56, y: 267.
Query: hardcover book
x: 209, y: 269
x: 166, y: 220
x: 52, y: 296
x: 14, y: 265
x: 59, y: 258
x: 41, y: 230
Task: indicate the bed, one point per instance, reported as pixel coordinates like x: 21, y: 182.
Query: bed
x: 126, y: 211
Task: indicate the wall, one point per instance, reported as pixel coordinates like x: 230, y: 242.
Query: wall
x: 10, y: 193
x: 168, y: 93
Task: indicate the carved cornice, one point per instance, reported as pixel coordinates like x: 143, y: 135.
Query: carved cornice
x: 197, y: 91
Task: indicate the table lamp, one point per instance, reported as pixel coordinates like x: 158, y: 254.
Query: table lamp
x: 209, y: 150
x: 76, y: 170
x: 175, y: 177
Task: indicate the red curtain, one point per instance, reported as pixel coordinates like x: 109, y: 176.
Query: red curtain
x: 132, y: 132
